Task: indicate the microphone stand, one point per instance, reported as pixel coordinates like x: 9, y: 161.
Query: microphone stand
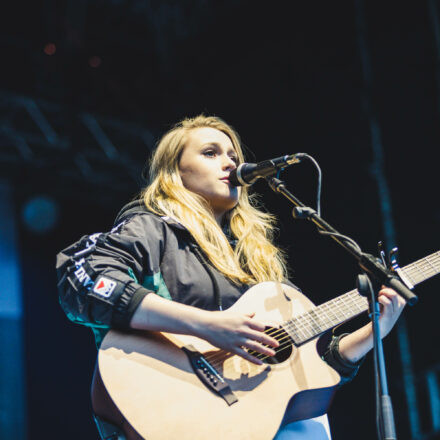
x: 384, y: 408
x: 368, y: 263
x: 374, y: 269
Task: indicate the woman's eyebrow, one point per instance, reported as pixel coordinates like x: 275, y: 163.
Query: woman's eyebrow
x: 211, y: 144
x: 217, y: 145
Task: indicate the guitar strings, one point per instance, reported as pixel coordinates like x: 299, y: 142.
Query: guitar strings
x: 418, y: 274
x: 300, y: 326
x: 262, y: 356
x: 424, y: 262
x: 418, y: 268
x: 423, y: 265
x: 295, y: 325
x: 272, y: 333
x: 281, y: 348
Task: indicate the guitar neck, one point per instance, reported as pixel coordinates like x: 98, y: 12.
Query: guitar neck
x: 328, y: 315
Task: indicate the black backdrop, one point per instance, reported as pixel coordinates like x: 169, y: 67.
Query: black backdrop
x: 288, y: 77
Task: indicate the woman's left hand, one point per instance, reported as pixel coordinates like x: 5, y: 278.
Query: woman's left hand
x: 391, y: 306
x: 357, y: 344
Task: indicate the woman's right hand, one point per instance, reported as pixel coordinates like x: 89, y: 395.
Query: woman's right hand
x: 237, y: 333
x: 229, y: 331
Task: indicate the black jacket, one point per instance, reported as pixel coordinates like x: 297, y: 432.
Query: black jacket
x: 104, y: 276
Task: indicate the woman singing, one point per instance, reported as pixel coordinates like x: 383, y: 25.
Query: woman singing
x: 181, y: 255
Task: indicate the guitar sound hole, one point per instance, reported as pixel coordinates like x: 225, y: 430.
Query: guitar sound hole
x: 284, y: 350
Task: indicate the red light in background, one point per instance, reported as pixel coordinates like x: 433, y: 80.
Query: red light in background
x: 50, y: 49
x: 95, y: 61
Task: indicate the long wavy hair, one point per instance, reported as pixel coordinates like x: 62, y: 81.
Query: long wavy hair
x: 255, y: 258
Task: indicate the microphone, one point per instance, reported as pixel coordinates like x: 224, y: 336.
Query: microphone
x: 247, y: 173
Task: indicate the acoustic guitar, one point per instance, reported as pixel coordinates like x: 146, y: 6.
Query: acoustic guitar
x: 170, y: 386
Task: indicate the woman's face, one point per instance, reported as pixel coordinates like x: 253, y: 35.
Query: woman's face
x: 205, y: 163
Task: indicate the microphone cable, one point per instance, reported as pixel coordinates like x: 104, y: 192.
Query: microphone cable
x: 318, y: 196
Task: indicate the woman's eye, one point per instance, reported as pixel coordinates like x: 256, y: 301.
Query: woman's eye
x: 209, y: 153
x: 235, y: 159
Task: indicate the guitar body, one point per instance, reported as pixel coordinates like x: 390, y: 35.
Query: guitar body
x: 151, y: 381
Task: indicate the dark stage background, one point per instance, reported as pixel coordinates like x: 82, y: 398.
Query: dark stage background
x: 88, y: 86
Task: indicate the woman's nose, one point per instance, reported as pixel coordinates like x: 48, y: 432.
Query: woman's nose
x: 229, y: 164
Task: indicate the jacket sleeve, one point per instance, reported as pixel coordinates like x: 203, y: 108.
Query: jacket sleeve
x: 100, y: 276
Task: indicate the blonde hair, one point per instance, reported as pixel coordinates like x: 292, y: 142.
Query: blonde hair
x: 255, y: 258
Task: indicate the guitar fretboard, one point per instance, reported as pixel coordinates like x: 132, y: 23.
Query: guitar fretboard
x: 328, y: 315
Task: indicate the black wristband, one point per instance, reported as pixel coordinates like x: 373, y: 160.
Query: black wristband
x: 346, y: 369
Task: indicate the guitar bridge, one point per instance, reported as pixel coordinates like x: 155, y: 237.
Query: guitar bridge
x: 209, y: 376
